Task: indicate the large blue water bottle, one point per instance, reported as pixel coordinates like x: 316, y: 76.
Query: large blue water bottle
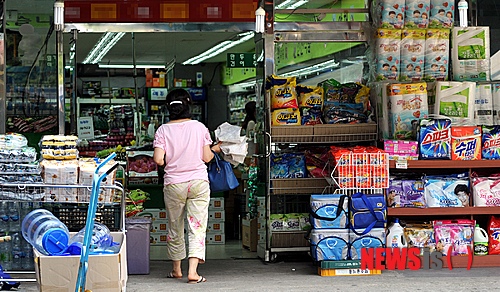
x: 101, y: 239
x: 45, y: 232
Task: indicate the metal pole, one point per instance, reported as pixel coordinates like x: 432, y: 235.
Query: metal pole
x: 137, y: 104
x: 3, y: 73
x: 75, y: 87
x: 60, y: 82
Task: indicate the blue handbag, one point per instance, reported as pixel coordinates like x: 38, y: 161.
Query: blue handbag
x: 221, y: 175
x: 367, y: 211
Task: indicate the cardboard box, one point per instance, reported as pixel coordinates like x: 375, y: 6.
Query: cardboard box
x: 249, y: 235
x: 154, y: 214
x: 216, y: 204
x: 261, y: 237
x: 216, y: 227
x: 401, y: 147
x: 159, y: 227
x: 216, y: 216
x: 216, y: 238
x: 105, y: 273
x: 159, y: 238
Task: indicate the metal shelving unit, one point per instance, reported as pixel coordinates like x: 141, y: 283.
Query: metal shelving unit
x: 301, y: 32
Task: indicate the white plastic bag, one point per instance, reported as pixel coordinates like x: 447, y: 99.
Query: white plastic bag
x: 228, y: 133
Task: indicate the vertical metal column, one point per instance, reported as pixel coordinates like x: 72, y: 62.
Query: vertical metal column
x: 60, y: 82
x: 74, y: 115
x: 137, y: 108
x: 3, y: 73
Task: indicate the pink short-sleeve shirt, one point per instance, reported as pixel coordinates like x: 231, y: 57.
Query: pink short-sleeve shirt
x: 183, y: 145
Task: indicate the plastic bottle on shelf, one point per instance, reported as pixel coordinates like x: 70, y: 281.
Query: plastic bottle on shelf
x: 14, y: 217
x: 16, y: 251
x: 45, y: 232
x: 396, y: 235
x: 5, y: 255
x: 4, y: 217
x: 480, y: 241
x: 101, y: 238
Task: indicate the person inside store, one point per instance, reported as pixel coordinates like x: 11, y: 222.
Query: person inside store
x: 249, y: 125
x: 184, y: 146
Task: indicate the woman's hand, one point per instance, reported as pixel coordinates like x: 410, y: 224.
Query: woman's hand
x: 216, y: 147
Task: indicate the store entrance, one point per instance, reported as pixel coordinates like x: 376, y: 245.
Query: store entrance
x: 100, y: 77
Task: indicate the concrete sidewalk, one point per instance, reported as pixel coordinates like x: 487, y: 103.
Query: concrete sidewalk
x: 254, y: 275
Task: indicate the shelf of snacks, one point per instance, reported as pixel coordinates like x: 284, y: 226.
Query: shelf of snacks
x: 439, y: 211
x: 410, y: 164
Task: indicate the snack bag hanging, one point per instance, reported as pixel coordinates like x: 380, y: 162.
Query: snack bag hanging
x: 465, y: 143
x: 283, y: 92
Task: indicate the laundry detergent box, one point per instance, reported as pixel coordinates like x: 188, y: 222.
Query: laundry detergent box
x: 442, y: 13
x: 471, y: 53
x: 435, y: 139
x: 388, y: 54
x: 412, y: 55
x: 437, y: 51
x: 392, y: 14
x: 491, y: 142
x: 408, y: 104
x: 417, y: 13
x: 465, y: 143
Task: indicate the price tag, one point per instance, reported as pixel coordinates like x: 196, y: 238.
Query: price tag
x: 352, y: 272
x: 402, y: 164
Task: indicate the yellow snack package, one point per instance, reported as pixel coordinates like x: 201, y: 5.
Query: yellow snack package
x: 283, y: 92
x: 310, y: 96
x: 286, y: 117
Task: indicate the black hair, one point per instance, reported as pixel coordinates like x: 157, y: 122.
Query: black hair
x: 250, y: 110
x: 178, y: 110
x: 462, y: 188
x: 392, y: 12
x: 441, y: 10
x: 416, y: 11
x: 385, y: 65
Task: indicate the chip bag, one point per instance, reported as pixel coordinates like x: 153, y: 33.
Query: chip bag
x: 311, y: 97
x: 283, y: 92
x: 286, y: 117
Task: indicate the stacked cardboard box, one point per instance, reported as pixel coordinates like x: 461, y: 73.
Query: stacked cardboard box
x: 216, y: 220
x: 261, y: 226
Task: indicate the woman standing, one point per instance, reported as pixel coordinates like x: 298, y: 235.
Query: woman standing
x: 183, y: 146
x: 249, y: 125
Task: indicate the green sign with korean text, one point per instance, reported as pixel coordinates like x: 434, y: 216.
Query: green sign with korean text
x: 241, y: 60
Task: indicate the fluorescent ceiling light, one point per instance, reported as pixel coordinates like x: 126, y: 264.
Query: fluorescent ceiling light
x: 311, y: 69
x: 111, y: 66
x: 291, y: 4
x: 222, y: 47
x: 102, y: 47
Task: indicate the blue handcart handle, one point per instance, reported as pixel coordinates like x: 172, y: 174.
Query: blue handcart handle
x: 89, y: 227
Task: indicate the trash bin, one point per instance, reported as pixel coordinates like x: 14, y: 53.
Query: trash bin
x: 137, y: 245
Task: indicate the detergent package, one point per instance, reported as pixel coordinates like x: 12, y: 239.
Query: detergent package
x: 276, y: 222
x: 437, y: 49
x: 465, y: 143
x: 407, y: 104
x: 417, y: 13
x: 494, y: 235
x: 286, y: 117
x: 395, y: 194
x: 447, y: 191
x: 283, y: 92
x: 292, y: 165
x: 388, y: 54
x: 412, y: 55
x: 420, y: 236
x: 435, y: 139
x: 457, y: 234
x: 486, y: 191
x: 311, y: 97
x: 311, y: 116
x: 392, y: 14
x: 491, y: 142
x: 442, y: 13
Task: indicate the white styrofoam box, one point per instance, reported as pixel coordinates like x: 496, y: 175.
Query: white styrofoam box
x: 245, y: 222
x: 216, y: 204
x: 216, y: 238
x: 216, y: 215
x: 261, y: 236
x: 261, y: 224
x: 159, y: 227
x: 154, y: 214
x: 158, y: 238
x: 216, y: 227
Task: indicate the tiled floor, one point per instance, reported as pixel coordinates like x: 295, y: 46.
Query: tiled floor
x: 231, y: 250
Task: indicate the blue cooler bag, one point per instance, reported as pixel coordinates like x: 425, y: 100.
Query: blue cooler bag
x: 326, y: 213
x: 373, y: 239
x: 367, y: 211
x: 329, y: 244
